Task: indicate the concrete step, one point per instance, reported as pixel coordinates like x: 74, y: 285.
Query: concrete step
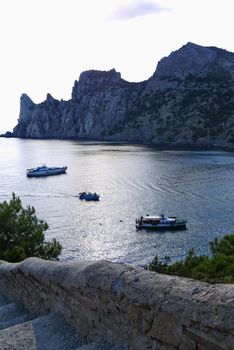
x: 49, y: 332
x: 101, y: 345
x: 4, y: 300
x: 20, y: 331
x: 11, y: 315
x: 53, y: 332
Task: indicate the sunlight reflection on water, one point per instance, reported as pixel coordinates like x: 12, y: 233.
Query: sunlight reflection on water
x: 132, y: 180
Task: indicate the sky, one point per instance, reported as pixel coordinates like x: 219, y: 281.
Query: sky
x: 46, y: 44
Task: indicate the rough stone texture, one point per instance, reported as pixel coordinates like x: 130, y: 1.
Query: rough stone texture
x: 11, y: 314
x: 189, y: 101
x: 19, y: 337
x: 4, y: 300
x: 125, y: 305
x: 48, y: 332
x: 53, y: 332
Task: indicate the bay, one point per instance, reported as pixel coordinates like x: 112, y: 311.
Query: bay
x: 132, y: 180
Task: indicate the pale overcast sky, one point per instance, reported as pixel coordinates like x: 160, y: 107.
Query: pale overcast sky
x: 46, y: 44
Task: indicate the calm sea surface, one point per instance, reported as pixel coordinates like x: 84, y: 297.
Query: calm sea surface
x: 132, y: 180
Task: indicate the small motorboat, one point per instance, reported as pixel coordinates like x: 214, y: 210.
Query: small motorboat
x: 43, y: 170
x: 160, y: 222
x: 88, y: 196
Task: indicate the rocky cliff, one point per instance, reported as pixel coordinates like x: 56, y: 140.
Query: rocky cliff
x: 189, y: 100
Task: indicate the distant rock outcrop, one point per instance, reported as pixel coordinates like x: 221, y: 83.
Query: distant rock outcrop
x: 188, y: 101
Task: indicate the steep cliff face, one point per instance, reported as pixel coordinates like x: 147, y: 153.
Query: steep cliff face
x: 189, y: 100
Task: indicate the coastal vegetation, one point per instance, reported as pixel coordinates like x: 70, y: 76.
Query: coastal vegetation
x: 22, y: 233
x: 217, y: 268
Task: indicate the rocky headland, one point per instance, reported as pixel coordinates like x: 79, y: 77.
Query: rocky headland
x: 188, y: 101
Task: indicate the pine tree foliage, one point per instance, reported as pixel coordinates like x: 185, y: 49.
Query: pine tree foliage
x: 217, y: 268
x: 22, y: 233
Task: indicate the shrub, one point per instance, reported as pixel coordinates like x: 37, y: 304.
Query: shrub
x: 217, y: 268
x: 22, y: 234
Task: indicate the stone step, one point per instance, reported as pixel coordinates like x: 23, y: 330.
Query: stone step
x: 4, y: 300
x: 11, y: 315
x: 49, y: 332
x: 101, y: 345
x: 19, y: 331
x: 19, y: 337
x: 53, y: 332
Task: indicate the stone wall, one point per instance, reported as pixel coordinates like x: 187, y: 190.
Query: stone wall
x: 124, y: 304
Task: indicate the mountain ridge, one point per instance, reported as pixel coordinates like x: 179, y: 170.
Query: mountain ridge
x: 189, y: 100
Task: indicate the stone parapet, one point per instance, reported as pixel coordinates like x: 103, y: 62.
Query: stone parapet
x: 124, y: 304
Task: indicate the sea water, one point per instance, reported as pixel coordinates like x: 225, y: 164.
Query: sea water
x: 132, y: 180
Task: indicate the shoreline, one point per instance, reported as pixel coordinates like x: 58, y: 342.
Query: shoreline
x: 159, y: 147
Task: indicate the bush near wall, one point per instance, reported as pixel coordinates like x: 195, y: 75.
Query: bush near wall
x: 217, y: 268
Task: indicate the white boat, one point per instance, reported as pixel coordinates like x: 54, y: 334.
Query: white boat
x: 88, y: 196
x: 160, y: 222
x: 45, y: 171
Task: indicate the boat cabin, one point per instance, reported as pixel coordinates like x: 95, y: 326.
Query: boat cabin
x: 157, y: 219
